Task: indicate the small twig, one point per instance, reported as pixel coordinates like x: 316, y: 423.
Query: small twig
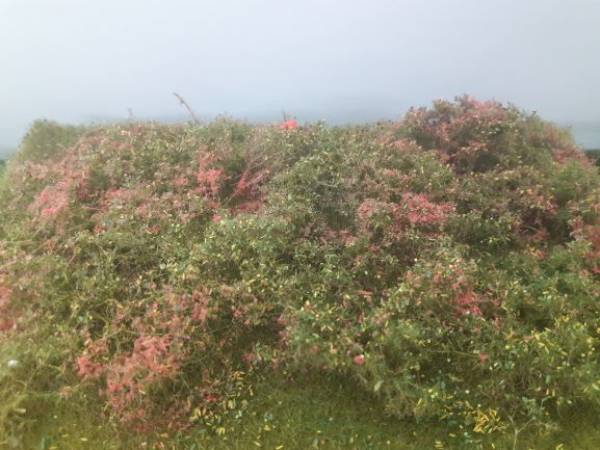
x: 187, y: 107
x: 5, y: 266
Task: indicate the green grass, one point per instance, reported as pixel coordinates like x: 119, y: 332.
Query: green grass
x: 299, y: 414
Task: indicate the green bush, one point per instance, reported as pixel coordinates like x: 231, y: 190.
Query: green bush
x: 47, y: 140
x: 447, y: 264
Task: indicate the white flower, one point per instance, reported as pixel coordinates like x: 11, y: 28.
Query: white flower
x: 12, y: 363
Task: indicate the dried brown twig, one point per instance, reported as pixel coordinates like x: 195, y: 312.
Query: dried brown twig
x: 187, y: 107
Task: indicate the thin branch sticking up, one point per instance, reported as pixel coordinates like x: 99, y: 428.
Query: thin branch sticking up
x: 187, y: 107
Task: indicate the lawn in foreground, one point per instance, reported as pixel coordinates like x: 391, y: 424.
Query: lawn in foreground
x: 300, y: 413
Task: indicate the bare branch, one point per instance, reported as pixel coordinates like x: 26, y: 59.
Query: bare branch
x: 187, y: 107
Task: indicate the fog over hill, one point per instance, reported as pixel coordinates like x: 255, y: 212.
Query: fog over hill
x: 339, y: 61
x: 586, y: 134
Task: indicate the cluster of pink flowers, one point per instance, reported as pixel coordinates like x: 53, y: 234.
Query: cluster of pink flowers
x: 52, y: 199
x: 453, y: 278
x: 419, y: 211
x: 200, y: 306
x: 88, y: 364
x: 172, y: 193
x: 540, y: 201
x: 209, y: 178
x: 369, y: 207
x: 56, y: 196
x: 246, y: 196
x: 87, y: 368
x: 129, y: 375
x: 414, y: 210
x: 460, y: 131
x: 162, y: 333
x: 468, y: 303
x: 249, y: 183
x: 247, y: 193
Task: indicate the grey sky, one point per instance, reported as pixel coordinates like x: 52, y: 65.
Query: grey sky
x: 75, y: 60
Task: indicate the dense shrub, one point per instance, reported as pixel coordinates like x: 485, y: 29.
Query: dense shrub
x: 47, y: 140
x: 448, y: 263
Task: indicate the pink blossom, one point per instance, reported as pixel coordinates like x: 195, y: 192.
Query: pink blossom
x: 420, y: 211
x: 290, y: 124
x: 359, y: 360
x: 209, y: 179
x: 468, y: 303
x: 86, y: 368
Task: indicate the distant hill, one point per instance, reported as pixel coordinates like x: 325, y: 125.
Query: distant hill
x: 5, y: 152
x: 586, y: 134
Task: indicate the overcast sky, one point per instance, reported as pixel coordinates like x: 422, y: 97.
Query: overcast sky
x: 79, y: 60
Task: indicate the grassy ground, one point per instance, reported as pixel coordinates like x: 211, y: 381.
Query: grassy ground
x: 301, y: 414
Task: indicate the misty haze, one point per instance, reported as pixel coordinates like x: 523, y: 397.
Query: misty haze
x: 78, y: 62
x: 322, y: 224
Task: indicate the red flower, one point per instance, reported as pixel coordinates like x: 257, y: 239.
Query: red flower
x: 290, y: 124
x: 86, y: 368
x: 420, y: 211
x: 209, y: 178
x: 359, y: 360
x: 468, y: 303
